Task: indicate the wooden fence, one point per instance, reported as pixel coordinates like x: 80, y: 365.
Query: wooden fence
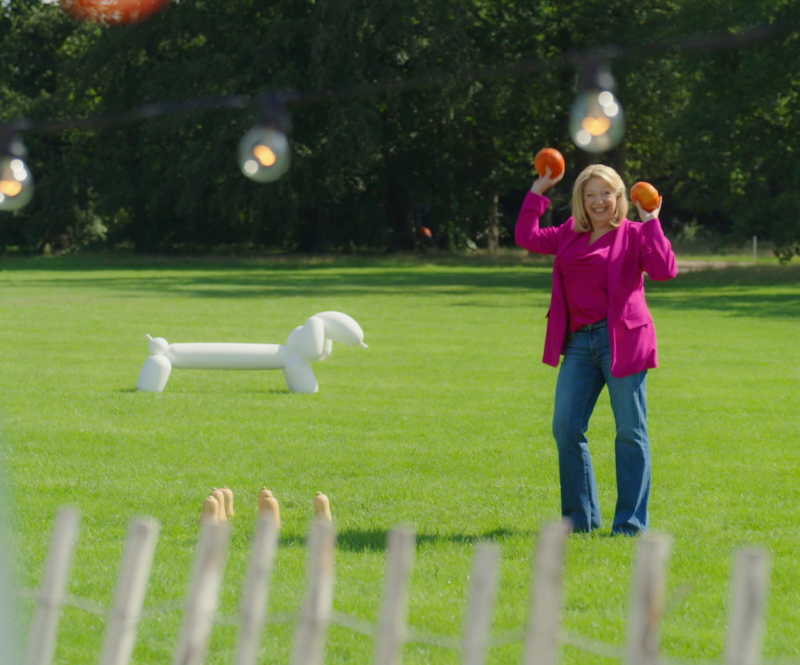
x: 542, y: 637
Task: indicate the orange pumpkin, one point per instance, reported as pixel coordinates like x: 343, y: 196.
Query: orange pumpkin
x: 549, y: 157
x: 645, y: 194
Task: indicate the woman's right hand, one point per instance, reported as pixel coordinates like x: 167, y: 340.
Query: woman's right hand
x: 545, y: 182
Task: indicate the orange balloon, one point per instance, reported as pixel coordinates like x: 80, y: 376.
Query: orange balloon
x: 113, y: 12
x: 647, y: 195
x: 552, y: 158
x: 425, y: 232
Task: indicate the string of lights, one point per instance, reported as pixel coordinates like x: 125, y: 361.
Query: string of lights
x: 597, y: 119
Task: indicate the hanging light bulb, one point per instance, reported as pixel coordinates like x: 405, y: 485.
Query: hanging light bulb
x: 264, y: 152
x: 596, y: 120
x: 16, y: 181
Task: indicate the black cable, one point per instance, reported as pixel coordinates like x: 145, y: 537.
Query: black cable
x: 699, y: 43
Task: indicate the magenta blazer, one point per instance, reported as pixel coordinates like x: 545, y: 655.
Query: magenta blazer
x: 637, y: 248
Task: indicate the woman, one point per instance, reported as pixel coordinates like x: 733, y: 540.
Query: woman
x: 599, y: 321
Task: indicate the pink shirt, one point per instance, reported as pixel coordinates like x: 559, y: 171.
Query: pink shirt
x: 635, y: 248
x: 584, y: 272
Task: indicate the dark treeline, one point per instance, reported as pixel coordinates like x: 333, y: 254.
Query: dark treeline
x: 717, y: 132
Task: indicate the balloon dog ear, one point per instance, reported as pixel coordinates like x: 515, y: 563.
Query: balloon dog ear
x: 341, y: 328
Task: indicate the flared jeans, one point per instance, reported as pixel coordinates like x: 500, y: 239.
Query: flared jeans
x: 586, y: 368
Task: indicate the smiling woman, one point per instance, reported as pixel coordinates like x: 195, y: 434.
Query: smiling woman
x: 599, y: 321
x: 600, y: 204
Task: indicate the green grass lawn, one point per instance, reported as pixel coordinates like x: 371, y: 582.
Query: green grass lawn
x: 442, y: 424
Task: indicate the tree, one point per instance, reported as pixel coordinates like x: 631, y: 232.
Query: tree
x: 738, y: 134
x: 372, y: 163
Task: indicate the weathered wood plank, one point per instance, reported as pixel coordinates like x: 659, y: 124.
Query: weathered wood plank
x: 647, y: 604
x: 392, y: 628
x: 309, y: 645
x: 482, y: 597
x: 198, y: 617
x: 129, y: 598
x: 542, y: 640
x: 41, y: 646
x: 256, y: 590
x: 748, y: 607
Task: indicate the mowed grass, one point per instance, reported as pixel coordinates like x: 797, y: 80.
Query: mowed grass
x: 443, y: 424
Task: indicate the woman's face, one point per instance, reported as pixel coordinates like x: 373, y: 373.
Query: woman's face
x: 600, y: 202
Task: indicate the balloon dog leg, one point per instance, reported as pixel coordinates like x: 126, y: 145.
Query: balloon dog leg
x: 154, y: 375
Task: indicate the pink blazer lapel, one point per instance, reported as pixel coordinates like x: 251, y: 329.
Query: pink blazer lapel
x: 616, y: 258
x: 569, y: 237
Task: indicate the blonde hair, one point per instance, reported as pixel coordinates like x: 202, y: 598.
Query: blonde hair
x: 613, y: 180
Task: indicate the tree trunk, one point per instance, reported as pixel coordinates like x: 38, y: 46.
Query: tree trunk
x: 401, y: 217
x: 493, y: 227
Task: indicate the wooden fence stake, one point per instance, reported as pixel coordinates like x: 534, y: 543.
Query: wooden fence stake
x: 391, y: 634
x: 134, y: 574
x: 198, y: 618
x: 41, y: 645
x: 256, y: 590
x: 748, y: 608
x: 482, y: 597
x: 542, y: 640
x: 647, y: 605
x: 743, y: 646
x: 309, y: 645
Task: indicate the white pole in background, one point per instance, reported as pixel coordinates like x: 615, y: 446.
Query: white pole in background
x: 755, y: 248
x: 10, y: 645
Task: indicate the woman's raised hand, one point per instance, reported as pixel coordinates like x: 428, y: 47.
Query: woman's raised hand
x: 545, y: 182
x: 653, y: 214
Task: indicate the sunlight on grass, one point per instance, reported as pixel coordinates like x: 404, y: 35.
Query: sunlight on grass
x: 442, y: 424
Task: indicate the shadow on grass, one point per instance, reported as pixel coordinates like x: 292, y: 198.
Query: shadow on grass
x: 738, y: 290
x: 287, y: 262
x: 228, y: 390
x: 374, y: 540
x: 210, y: 278
x: 759, y: 291
x: 757, y: 305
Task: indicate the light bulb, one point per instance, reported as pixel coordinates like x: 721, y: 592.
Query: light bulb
x: 16, y: 183
x: 264, y: 154
x: 596, y: 121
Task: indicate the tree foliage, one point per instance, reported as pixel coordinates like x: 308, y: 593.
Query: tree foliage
x: 714, y: 131
x: 738, y: 133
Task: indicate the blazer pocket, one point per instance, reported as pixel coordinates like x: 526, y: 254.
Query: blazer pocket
x: 637, y: 320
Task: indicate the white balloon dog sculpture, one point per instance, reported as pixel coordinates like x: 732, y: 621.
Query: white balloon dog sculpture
x: 306, y: 344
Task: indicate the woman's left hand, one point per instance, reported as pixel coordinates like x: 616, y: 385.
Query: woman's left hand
x: 653, y: 214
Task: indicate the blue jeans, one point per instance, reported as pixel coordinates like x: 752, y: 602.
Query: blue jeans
x: 586, y: 368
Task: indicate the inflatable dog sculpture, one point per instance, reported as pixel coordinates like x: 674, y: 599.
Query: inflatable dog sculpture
x: 306, y: 344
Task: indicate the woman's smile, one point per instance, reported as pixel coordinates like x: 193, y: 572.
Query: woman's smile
x: 600, y: 202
